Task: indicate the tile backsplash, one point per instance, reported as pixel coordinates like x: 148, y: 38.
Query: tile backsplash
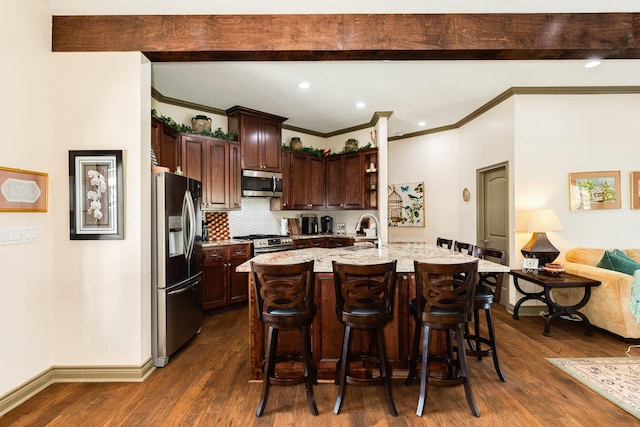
x: 256, y: 217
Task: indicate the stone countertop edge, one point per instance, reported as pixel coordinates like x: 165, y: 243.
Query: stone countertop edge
x: 226, y: 242
x: 404, y: 253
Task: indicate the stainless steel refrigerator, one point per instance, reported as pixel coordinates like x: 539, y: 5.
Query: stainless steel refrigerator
x: 176, y: 302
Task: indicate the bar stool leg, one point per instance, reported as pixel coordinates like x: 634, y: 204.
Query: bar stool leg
x: 385, y: 370
x: 492, y: 340
x: 415, y: 348
x: 425, y: 371
x: 341, y: 379
x: 309, y: 373
x: 462, y: 356
x: 267, y: 369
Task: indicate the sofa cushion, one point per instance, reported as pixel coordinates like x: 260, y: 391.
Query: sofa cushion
x: 633, y: 253
x: 586, y: 256
x: 611, y: 261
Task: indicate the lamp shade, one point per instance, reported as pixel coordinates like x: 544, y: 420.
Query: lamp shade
x: 537, y: 220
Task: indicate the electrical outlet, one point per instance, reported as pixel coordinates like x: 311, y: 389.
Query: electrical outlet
x: 10, y: 235
x: 30, y: 233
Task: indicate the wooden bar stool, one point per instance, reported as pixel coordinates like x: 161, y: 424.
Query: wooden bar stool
x: 416, y: 314
x: 364, y: 300
x: 488, y: 290
x: 445, y: 243
x: 463, y: 247
x: 284, y: 297
x: 448, y: 302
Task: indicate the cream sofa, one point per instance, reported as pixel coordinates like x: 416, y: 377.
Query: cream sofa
x: 608, y: 307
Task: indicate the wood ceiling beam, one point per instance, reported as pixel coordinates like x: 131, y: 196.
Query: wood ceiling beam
x: 354, y: 37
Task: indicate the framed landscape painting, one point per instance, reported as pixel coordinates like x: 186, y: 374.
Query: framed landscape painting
x: 95, y: 195
x: 594, y: 191
x: 635, y: 190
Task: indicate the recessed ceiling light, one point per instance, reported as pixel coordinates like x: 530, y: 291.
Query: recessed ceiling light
x: 360, y: 105
x: 304, y: 85
x: 422, y: 123
x: 592, y: 63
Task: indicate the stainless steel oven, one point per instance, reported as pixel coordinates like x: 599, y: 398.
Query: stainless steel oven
x: 261, y: 184
x: 265, y: 243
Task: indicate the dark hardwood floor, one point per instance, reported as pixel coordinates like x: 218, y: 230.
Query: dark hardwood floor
x: 205, y: 384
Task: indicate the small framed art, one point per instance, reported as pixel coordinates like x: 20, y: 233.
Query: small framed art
x: 594, y: 191
x: 95, y: 195
x: 635, y: 190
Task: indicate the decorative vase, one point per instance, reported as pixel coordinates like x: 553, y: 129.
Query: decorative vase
x: 351, y: 145
x: 201, y: 124
x: 295, y: 144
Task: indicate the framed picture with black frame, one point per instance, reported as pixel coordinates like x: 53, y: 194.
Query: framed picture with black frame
x: 96, y: 204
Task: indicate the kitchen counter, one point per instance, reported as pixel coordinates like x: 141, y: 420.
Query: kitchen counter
x: 404, y: 253
x: 326, y: 330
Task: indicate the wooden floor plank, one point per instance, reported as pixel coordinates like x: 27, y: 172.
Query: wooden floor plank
x: 206, y: 384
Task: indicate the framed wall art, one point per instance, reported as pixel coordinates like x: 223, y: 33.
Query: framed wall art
x: 23, y: 191
x: 635, y: 190
x: 96, y: 195
x: 594, y: 190
x: 406, y: 205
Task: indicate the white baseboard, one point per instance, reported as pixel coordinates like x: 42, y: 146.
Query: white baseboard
x: 68, y: 374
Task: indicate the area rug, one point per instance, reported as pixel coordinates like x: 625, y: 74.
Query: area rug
x: 615, y: 378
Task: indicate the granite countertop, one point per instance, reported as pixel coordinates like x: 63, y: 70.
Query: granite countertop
x: 227, y: 242
x: 404, y: 253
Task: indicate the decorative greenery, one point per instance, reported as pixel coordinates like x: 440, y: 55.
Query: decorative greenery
x: 218, y: 133
x: 307, y: 150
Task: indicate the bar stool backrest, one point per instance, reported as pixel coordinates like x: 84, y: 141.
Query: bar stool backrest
x: 492, y: 280
x: 448, y: 291
x: 445, y: 243
x: 463, y: 247
x: 285, y: 291
x: 364, y: 289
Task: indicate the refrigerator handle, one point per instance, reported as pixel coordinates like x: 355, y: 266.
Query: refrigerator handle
x: 189, y: 211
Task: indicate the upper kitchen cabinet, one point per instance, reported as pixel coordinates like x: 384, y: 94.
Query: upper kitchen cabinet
x: 222, y: 162
x: 260, y: 137
x: 307, y: 181
x: 165, y: 141
x: 345, y: 181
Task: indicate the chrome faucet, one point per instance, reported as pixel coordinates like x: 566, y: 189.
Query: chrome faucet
x: 379, y: 239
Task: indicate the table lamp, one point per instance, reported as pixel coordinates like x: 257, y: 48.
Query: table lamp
x: 538, y: 222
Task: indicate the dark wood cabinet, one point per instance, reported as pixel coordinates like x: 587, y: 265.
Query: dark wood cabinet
x: 221, y: 284
x: 260, y: 137
x: 344, y: 179
x: 307, y: 182
x: 222, y: 190
x: 370, y: 181
x: 165, y: 141
x: 193, y: 157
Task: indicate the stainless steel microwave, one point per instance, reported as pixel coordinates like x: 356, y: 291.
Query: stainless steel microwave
x: 261, y: 184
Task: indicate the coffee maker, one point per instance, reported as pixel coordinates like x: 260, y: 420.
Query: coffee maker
x: 326, y: 224
x: 309, y: 224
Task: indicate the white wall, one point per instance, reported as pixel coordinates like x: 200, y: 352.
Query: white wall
x: 558, y: 135
x: 427, y: 159
x: 26, y: 284
x: 102, y: 288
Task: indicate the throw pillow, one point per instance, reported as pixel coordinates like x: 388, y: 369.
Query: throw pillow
x: 623, y: 254
x: 611, y: 261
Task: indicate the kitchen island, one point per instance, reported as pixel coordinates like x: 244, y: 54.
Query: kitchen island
x: 326, y: 330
